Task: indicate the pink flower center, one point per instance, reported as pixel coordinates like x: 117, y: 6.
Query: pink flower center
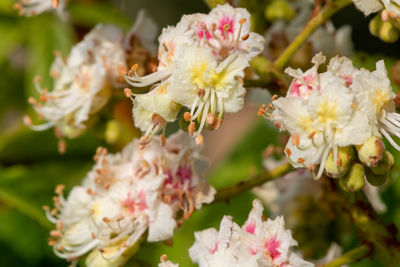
x: 271, y: 246
x: 226, y: 21
x: 142, y: 200
x: 129, y: 203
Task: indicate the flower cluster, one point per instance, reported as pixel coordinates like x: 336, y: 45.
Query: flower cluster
x: 256, y: 243
x: 128, y: 193
x: 201, y: 66
x: 34, y: 7
x: 83, y: 81
x: 326, y: 112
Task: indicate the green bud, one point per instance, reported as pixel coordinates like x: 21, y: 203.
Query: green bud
x: 385, y: 165
x: 354, y: 180
x: 279, y: 9
x: 374, y: 179
x: 339, y: 168
x: 375, y: 25
x: 371, y: 152
x: 388, y: 32
x: 113, y: 132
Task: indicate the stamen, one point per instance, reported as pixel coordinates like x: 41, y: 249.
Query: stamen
x: 191, y: 128
x: 133, y: 69
x: 245, y: 37
x: 62, y: 146
x: 301, y: 160
x: 262, y: 110
x: 385, y: 15
x: 277, y: 125
x: 162, y: 139
x: 27, y: 120
x: 226, y: 28
x: 55, y: 3
x: 311, y: 135
x: 187, y: 116
x: 210, y: 118
x: 199, y: 139
x: 122, y: 70
x: 163, y: 258
x: 128, y: 92
x: 295, y: 139
x: 288, y: 152
x: 201, y: 93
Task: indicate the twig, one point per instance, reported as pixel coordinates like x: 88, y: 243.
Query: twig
x: 349, y: 257
x: 326, y: 12
x: 232, y: 191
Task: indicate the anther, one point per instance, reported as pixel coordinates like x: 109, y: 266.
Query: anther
x: 201, y: 93
x: 59, y: 189
x: 122, y: 70
x: 133, y: 69
x: 32, y: 101
x: 163, y: 258
x: 310, y: 167
x: 262, y: 110
x: 128, y: 92
x: 295, y: 139
x: 210, y: 118
x: 187, y: 116
x: 93, y: 235
x: 62, y: 146
x: 242, y: 21
x: 106, y: 220
x: 27, y: 120
x: 60, y: 225
x: 339, y: 162
x: 311, y: 135
x: 157, y: 119
x: 288, y: 152
x: 191, y: 128
x: 217, y: 123
x: 199, y: 139
x: 55, y: 3
x: 274, y: 97
x: 55, y: 233
x: 301, y: 160
x: 162, y: 140
x: 245, y: 37
x: 277, y: 125
x: 384, y: 15
x: 213, y: 27
x: 17, y: 6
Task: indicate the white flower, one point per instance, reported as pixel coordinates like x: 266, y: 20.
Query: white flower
x: 34, y: 7
x: 256, y: 243
x: 151, y: 111
x: 226, y: 31
x: 207, y: 87
x: 81, y: 82
x: 372, y: 6
x: 128, y: 193
x: 374, y: 96
x: 321, y: 114
x: 201, y: 64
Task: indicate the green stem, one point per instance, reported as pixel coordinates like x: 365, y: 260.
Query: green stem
x: 26, y: 208
x: 232, y: 191
x: 371, y: 229
x: 349, y: 257
x: 326, y: 12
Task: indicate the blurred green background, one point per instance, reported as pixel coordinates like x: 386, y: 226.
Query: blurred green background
x: 30, y: 166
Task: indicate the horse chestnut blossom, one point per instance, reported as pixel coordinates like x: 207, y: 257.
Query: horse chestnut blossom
x: 256, y: 243
x: 391, y: 7
x: 126, y: 194
x: 202, y: 62
x: 341, y: 107
x: 34, y: 7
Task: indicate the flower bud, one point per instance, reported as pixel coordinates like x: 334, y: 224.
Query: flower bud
x: 388, y: 32
x: 371, y: 152
x: 354, y: 180
x: 374, y: 179
x: 375, y: 25
x: 339, y: 168
x: 385, y: 165
x: 279, y: 9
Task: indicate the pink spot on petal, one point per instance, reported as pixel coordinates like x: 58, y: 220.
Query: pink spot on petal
x: 251, y: 227
x: 295, y: 88
x: 184, y: 173
x: 271, y: 246
x: 129, y: 203
x: 226, y: 21
x: 253, y: 251
x: 200, y: 32
x: 349, y: 80
x: 212, y: 251
x: 142, y: 200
